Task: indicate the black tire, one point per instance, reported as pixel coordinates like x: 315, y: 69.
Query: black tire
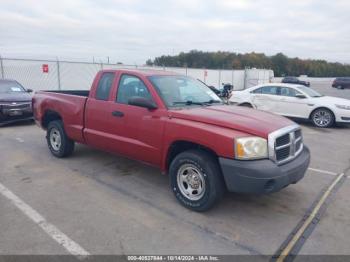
x: 247, y: 105
x: 66, y: 145
x: 329, y: 118
x: 340, y: 87
x: 210, y: 171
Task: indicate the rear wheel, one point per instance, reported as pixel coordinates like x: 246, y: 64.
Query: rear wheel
x: 340, y: 87
x: 322, y: 117
x: 196, y: 180
x: 58, y: 142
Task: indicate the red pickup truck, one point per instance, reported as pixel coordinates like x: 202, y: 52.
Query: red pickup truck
x: 178, y: 124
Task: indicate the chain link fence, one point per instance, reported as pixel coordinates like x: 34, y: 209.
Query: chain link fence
x: 64, y: 75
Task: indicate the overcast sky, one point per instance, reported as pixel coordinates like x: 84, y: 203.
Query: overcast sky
x: 131, y: 31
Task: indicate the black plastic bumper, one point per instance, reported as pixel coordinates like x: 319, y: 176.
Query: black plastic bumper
x: 263, y: 176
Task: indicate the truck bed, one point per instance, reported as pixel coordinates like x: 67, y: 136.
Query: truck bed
x: 68, y: 104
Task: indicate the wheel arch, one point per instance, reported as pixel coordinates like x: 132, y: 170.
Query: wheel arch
x: 246, y: 104
x: 180, y: 146
x: 49, y: 116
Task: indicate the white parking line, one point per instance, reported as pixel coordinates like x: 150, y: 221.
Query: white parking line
x: 299, y: 233
x: 323, y: 171
x: 61, y: 238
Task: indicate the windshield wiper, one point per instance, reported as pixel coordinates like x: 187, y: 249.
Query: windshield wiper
x: 212, y: 101
x: 188, y: 102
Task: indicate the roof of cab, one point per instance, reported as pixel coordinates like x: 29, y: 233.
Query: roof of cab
x: 145, y: 72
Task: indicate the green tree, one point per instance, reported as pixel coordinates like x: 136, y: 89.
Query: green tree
x: 279, y: 63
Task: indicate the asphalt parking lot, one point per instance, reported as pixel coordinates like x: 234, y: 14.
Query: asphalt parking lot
x: 107, y: 204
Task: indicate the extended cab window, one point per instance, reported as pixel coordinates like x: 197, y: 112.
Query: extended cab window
x: 269, y: 90
x: 104, y: 86
x: 130, y: 86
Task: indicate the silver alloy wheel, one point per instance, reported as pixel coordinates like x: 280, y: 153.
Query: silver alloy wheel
x: 191, y: 182
x: 55, y: 139
x: 322, y: 118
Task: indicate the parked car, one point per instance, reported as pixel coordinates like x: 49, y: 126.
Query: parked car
x: 341, y: 82
x: 178, y: 124
x: 295, y: 101
x: 15, y: 102
x: 295, y: 80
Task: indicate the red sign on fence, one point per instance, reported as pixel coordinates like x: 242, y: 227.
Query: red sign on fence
x: 45, y: 68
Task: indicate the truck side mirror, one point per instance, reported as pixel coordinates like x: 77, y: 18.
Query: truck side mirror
x: 142, y: 102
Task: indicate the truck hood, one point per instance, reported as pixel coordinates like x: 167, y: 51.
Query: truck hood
x: 247, y: 120
x: 15, y: 97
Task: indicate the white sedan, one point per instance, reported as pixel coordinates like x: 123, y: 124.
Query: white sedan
x: 295, y: 101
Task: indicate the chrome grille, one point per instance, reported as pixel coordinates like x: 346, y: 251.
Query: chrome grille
x: 285, y: 144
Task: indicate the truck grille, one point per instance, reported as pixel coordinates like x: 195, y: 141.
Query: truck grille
x: 285, y: 144
x: 282, y: 153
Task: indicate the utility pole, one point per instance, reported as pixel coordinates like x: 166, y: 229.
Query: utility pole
x: 107, y: 59
x: 245, y: 77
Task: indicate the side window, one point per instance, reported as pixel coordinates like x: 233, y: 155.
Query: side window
x: 256, y: 91
x: 130, y: 86
x: 269, y: 90
x: 286, y: 91
x: 104, y: 86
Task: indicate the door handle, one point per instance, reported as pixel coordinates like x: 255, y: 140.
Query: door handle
x: 117, y: 114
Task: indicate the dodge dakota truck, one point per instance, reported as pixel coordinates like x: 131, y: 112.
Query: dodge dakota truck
x: 178, y: 124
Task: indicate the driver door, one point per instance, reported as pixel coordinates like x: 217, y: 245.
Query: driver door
x: 142, y: 129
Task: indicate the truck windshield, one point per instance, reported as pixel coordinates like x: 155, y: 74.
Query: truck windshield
x: 179, y: 91
x: 10, y: 87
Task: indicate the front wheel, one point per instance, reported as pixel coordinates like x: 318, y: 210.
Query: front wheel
x: 58, y: 142
x: 322, y: 117
x: 196, y: 180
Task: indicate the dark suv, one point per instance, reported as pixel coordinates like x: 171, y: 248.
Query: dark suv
x: 15, y: 102
x: 295, y: 80
x: 341, y: 82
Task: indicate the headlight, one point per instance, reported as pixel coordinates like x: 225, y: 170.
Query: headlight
x: 343, y: 107
x: 247, y: 148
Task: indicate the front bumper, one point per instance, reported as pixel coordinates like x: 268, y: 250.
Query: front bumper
x: 342, y: 116
x: 263, y: 176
